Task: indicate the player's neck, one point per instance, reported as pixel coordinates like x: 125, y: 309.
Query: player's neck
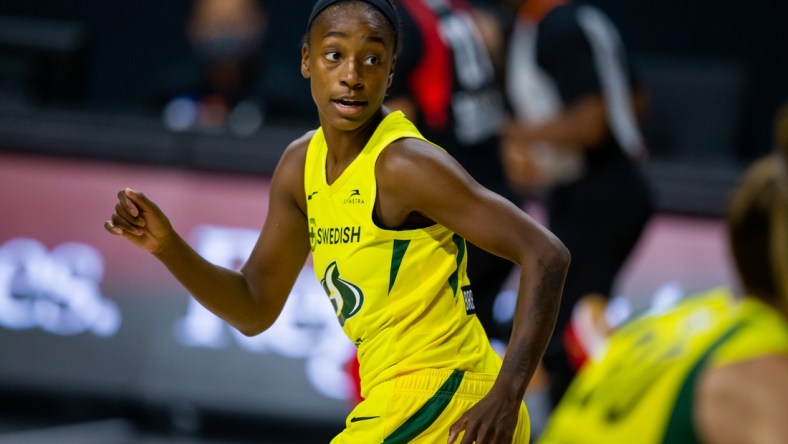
x: 345, y: 145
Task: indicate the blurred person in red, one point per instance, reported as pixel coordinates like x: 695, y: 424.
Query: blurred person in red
x: 575, y: 143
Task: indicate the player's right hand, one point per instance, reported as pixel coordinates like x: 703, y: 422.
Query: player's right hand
x: 139, y: 220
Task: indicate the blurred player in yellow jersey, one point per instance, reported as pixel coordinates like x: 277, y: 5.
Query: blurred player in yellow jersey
x: 714, y: 368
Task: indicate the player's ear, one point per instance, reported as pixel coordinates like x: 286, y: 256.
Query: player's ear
x: 305, y: 61
x: 391, y: 73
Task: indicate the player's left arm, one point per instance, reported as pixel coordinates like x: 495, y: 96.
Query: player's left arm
x: 415, y: 177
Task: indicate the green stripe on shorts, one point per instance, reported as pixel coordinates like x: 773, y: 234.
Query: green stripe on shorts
x: 428, y: 413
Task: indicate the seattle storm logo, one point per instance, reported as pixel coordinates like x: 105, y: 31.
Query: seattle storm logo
x: 346, y: 297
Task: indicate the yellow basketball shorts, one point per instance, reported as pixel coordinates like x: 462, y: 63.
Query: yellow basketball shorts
x: 419, y: 408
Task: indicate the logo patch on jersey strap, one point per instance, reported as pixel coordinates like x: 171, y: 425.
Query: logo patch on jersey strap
x: 346, y: 297
x: 467, y: 295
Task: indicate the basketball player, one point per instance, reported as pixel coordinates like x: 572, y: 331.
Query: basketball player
x: 713, y: 369
x: 385, y: 215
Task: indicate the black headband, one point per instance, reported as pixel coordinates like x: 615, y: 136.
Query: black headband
x: 382, y: 5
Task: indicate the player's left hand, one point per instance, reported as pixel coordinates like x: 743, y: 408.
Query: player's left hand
x: 492, y: 420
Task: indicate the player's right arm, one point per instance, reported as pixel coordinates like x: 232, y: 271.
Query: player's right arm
x: 250, y: 299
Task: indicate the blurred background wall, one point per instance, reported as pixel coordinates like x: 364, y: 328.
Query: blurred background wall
x: 709, y: 62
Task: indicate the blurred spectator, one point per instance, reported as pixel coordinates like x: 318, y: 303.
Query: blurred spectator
x: 713, y: 368
x: 575, y: 140
x: 221, y: 94
x: 445, y: 82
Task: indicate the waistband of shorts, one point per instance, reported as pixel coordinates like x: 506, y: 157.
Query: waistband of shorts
x: 429, y: 381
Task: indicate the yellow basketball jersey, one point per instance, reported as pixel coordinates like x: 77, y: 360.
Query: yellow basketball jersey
x: 640, y: 389
x: 403, y: 297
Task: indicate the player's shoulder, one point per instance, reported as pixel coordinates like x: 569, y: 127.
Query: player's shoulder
x: 409, y: 153
x: 410, y: 162
x: 299, y: 146
x: 294, y: 155
x: 291, y: 164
